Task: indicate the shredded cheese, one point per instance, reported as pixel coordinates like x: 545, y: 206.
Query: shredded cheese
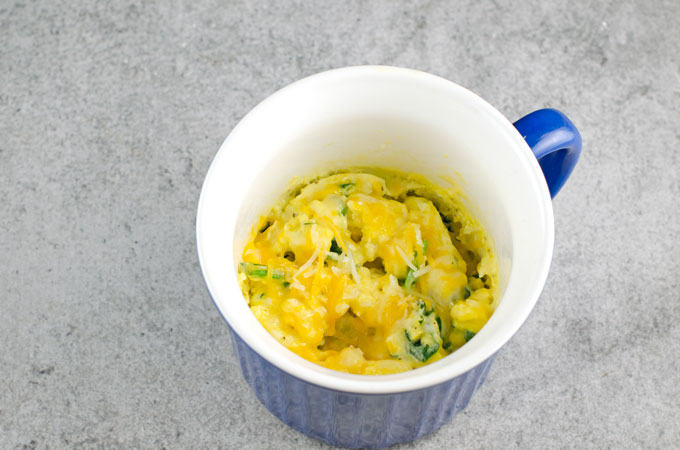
x: 345, y: 247
x: 296, y: 285
x: 405, y: 258
x: 336, y: 233
x: 422, y: 271
x: 353, y: 268
x: 419, y: 239
x: 309, y: 262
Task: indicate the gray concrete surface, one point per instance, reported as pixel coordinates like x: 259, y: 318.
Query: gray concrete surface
x: 110, y: 114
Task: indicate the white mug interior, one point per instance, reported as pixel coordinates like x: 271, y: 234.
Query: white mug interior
x: 375, y: 116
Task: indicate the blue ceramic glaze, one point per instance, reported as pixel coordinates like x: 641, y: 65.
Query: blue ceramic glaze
x: 556, y: 143
x: 356, y: 420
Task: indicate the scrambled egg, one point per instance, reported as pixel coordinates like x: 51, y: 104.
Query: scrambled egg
x: 373, y: 272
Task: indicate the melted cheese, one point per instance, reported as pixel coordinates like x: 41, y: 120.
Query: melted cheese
x: 370, y: 273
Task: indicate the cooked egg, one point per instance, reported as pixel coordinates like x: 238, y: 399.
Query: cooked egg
x: 370, y: 272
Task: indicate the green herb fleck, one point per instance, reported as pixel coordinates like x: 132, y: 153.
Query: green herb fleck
x: 309, y: 223
x: 439, y: 324
x: 347, y: 185
x: 410, y: 279
x: 278, y: 274
x: 468, y: 335
x: 286, y: 284
x: 425, y: 243
x: 467, y: 293
x: 344, y: 210
x: 254, y: 270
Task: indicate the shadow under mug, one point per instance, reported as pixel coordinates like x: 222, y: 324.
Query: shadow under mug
x: 362, y: 411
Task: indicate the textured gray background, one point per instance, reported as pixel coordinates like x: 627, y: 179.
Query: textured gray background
x: 111, y: 113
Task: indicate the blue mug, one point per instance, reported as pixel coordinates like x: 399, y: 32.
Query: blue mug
x: 401, y: 119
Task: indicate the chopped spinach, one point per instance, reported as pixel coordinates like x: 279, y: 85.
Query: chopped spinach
x: 423, y: 348
x: 335, y: 248
x: 423, y: 333
x: 423, y: 307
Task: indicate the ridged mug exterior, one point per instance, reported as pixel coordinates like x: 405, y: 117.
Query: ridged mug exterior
x: 356, y: 420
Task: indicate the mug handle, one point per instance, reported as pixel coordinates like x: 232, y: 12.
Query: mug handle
x: 556, y: 143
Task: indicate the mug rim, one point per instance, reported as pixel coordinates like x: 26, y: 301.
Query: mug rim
x: 431, y: 374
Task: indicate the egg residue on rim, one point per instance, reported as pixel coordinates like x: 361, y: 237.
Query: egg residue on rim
x: 370, y: 272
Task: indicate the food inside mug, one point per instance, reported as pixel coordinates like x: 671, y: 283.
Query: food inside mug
x: 370, y: 271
